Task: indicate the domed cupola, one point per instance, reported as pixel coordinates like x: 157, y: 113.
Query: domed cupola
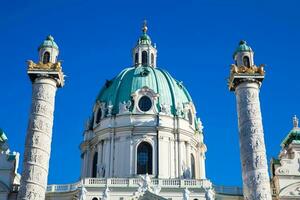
x: 145, y: 89
x: 144, y: 122
x: 243, y: 55
x: 144, y: 54
x: 48, y: 50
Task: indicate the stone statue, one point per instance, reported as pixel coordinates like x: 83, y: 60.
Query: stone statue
x: 156, y: 189
x: 124, y: 107
x: 102, y: 170
x: 199, y: 125
x: 186, y: 171
x: 210, y: 194
x: 83, y: 191
x: 106, y: 193
x: 165, y: 108
x: 179, y: 109
x: 146, y: 183
x: 185, y: 111
x: 186, y: 194
x: 109, y: 108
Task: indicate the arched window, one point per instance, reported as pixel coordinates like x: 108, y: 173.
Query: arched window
x: 246, y: 61
x: 94, y: 167
x: 98, y: 117
x: 144, y: 158
x: 152, y: 59
x: 46, y: 57
x: 92, y: 123
x: 193, y: 166
x: 144, y: 58
x: 136, y: 58
x: 190, y: 116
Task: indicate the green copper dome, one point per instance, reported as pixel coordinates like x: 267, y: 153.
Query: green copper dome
x: 243, y: 47
x: 294, y: 134
x: 48, y: 42
x: 144, y: 39
x: 171, y: 92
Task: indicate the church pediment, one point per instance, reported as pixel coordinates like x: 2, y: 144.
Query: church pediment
x: 151, y: 196
x: 291, y: 190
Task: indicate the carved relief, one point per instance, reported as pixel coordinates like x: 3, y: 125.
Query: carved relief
x: 252, y: 146
x: 31, y: 193
x: 38, y: 140
x: 44, y: 92
x: 40, y: 124
x: 41, y: 107
x: 35, y: 174
x: 257, y: 143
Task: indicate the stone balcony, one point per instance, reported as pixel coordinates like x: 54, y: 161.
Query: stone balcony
x: 134, y: 183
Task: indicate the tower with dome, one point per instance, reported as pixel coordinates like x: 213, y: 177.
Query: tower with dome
x: 144, y: 139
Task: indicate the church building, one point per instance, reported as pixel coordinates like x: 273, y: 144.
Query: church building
x: 144, y: 140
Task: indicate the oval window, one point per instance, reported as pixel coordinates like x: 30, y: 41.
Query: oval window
x: 145, y: 103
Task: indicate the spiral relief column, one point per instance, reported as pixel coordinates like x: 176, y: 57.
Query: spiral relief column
x: 46, y: 77
x: 245, y: 81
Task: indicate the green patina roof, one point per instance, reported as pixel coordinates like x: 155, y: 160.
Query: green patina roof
x: 171, y: 92
x: 276, y: 161
x: 294, y: 135
x: 242, y: 47
x: 3, y: 137
x: 144, y: 39
x: 48, y: 42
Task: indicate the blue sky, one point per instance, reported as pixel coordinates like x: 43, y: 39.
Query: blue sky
x: 195, y: 41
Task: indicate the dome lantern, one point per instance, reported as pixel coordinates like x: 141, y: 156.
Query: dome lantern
x: 144, y: 54
x: 48, y: 50
x: 243, y: 55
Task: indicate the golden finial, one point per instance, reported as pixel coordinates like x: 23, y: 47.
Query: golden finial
x: 295, y: 122
x: 145, y: 28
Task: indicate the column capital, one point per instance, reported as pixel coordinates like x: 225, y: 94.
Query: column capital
x: 240, y: 74
x: 49, y: 70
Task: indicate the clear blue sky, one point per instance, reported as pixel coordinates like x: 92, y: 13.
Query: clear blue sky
x: 195, y: 41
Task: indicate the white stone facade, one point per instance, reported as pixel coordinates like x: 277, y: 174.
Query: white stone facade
x: 116, y: 139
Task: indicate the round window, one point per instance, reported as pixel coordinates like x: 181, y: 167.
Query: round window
x: 145, y: 103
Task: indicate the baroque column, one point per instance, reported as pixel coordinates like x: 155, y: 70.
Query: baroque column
x: 245, y: 80
x: 46, y: 77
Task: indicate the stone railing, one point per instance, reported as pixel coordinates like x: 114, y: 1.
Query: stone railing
x: 134, y: 182
x: 130, y: 182
x: 228, y: 190
x: 63, y: 188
